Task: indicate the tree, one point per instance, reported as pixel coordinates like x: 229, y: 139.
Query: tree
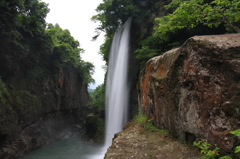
x: 66, y: 49
x: 98, y: 97
x: 113, y: 13
x: 191, y: 13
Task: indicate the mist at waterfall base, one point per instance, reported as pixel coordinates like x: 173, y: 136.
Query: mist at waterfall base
x: 116, y: 107
x: 71, y: 148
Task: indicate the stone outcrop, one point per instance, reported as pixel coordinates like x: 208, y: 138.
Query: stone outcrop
x: 136, y: 142
x: 194, y: 91
x: 37, y: 111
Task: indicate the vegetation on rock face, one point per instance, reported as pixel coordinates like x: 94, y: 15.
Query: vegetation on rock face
x: 33, y: 56
x: 66, y: 49
x: 205, y: 149
x: 164, y: 25
x: 29, y: 46
x: 135, y: 141
x: 95, y: 121
x: 209, y: 153
x: 147, y: 123
x: 148, y: 39
x: 98, y: 97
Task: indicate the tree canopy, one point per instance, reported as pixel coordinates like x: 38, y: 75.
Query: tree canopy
x: 163, y: 25
x: 35, y: 46
x: 191, y: 13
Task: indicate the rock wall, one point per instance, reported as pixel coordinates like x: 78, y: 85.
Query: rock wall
x: 194, y: 91
x: 37, y: 111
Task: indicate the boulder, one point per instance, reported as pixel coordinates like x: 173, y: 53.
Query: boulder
x: 194, y: 91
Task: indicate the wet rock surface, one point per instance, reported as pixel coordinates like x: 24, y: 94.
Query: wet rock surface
x: 138, y: 143
x: 194, y: 91
x: 41, y: 111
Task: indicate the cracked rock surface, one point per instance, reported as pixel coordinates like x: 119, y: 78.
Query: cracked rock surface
x: 138, y: 143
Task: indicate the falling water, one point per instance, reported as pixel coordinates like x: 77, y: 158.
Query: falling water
x: 117, y: 85
x: 116, y: 106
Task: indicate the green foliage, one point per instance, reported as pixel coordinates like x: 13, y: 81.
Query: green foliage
x: 14, y: 104
x: 225, y: 157
x: 95, y: 123
x: 90, y: 91
x: 44, y: 51
x: 112, y: 14
x: 65, y: 49
x: 5, y: 106
x: 205, y: 149
x: 212, y: 154
x: 147, y: 124
x: 98, y: 106
x: 191, y: 13
x: 140, y: 119
x: 100, y: 129
x: 3, y: 91
x: 151, y: 127
x: 145, y: 52
x: 26, y: 102
x: 236, y: 133
x: 105, y: 48
x: 31, y: 53
x: 98, y: 97
x: 86, y: 70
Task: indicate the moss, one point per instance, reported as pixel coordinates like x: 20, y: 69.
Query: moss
x: 100, y: 130
x: 147, y: 124
x: 140, y: 119
x: 16, y: 104
x: 25, y: 101
x: 4, y: 95
x: 95, y: 128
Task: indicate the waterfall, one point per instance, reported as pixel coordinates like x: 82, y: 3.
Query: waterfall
x: 117, y: 86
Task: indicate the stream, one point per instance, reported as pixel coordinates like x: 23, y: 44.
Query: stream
x: 71, y: 148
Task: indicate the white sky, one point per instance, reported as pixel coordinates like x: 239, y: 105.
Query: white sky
x: 75, y: 15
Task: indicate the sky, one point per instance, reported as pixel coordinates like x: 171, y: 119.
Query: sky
x: 75, y: 15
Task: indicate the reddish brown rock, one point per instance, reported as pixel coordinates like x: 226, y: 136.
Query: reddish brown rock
x: 194, y: 91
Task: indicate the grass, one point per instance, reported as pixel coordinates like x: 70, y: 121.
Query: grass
x: 147, y: 123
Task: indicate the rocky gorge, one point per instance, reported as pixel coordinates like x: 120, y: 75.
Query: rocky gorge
x: 193, y: 92
x: 37, y: 112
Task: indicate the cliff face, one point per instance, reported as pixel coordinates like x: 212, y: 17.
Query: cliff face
x: 38, y: 110
x: 194, y: 91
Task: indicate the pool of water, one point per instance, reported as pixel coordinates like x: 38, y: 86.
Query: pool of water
x: 72, y: 148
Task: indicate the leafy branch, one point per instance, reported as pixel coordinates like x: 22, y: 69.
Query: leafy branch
x: 189, y: 14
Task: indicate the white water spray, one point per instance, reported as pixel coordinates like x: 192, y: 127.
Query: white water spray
x: 117, y: 85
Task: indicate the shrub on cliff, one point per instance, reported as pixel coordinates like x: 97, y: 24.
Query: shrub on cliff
x: 96, y: 124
